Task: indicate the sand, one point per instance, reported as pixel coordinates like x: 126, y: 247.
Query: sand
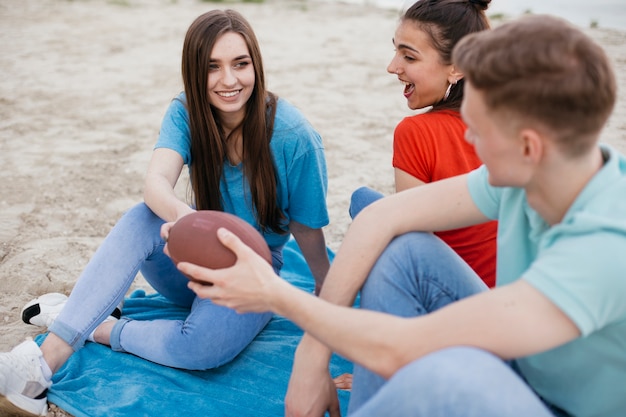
x: 84, y: 87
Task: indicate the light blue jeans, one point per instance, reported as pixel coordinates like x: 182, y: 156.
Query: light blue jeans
x: 415, y: 275
x: 210, y: 336
x: 361, y: 198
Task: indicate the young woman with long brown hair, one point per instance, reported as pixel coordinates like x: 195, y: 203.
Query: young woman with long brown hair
x: 249, y: 153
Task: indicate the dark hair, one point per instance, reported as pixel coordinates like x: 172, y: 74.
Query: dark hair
x: 543, y: 70
x: 446, y: 22
x: 208, y: 140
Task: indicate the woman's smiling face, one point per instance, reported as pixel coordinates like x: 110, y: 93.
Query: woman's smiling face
x: 418, y: 66
x: 231, y: 75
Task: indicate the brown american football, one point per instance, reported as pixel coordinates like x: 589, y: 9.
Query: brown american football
x: 193, y: 238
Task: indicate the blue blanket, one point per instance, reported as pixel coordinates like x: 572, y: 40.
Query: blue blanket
x: 99, y: 382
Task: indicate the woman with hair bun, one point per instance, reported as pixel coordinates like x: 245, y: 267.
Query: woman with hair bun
x: 428, y: 147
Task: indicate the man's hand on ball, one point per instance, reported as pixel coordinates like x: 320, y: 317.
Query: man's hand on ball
x: 247, y: 286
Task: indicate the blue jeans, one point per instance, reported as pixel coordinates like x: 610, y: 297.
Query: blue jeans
x: 417, y: 274
x: 210, y: 336
x: 361, y: 198
x: 453, y: 382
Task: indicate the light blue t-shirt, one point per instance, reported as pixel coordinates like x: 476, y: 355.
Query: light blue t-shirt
x: 580, y: 265
x: 300, y: 168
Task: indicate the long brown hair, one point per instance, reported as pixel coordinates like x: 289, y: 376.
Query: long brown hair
x: 446, y: 22
x: 208, y: 140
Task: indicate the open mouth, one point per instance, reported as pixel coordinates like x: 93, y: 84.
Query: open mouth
x: 408, y: 89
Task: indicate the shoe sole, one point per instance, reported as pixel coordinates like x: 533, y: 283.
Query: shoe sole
x: 8, y: 409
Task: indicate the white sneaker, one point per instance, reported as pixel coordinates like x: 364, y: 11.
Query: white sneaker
x: 23, y: 387
x: 44, y: 310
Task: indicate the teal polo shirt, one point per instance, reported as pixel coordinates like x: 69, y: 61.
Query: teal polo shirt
x: 580, y: 265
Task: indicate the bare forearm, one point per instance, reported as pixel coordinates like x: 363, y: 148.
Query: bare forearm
x: 340, y: 329
x: 312, y: 244
x: 160, y: 197
x: 358, y: 253
x: 510, y: 322
x: 163, y: 173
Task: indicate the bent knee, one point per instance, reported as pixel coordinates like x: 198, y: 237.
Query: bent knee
x: 207, y: 359
x: 460, y: 369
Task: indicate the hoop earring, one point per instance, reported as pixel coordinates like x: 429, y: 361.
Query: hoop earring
x: 445, y: 96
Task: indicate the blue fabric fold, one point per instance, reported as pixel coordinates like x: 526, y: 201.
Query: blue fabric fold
x: 99, y: 382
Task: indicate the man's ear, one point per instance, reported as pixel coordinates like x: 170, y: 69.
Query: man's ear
x: 532, y: 145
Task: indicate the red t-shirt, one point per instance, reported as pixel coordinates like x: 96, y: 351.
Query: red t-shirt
x: 431, y: 147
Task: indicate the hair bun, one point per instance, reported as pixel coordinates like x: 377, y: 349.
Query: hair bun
x: 481, y: 4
